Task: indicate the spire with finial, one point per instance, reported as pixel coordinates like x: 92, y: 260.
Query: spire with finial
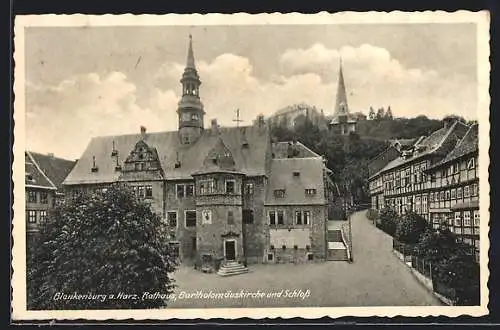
x: 190, y: 59
x: 341, y: 107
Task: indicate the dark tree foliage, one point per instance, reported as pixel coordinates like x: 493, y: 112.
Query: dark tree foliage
x: 436, y: 244
x: 398, y: 128
x: 410, y: 228
x: 108, y: 244
x: 388, y: 220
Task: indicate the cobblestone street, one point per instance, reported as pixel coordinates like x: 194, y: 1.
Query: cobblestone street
x: 375, y: 278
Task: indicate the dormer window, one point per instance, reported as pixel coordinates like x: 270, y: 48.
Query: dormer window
x: 114, y: 153
x: 94, y: 166
x: 245, y: 145
x: 118, y: 168
x: 279, y: 193
x: 177, y: 165
x: 310, y: 192
x: 296, y: 174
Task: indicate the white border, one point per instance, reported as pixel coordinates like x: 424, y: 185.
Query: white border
x: 481, y: 19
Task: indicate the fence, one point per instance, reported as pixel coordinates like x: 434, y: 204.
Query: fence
x: 405, y: 249
x: 424, y: 267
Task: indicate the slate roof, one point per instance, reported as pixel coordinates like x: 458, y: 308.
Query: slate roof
x: 250, y: 160
x: 467, y: 145
x: 46, y: 170
x: 430, y: 144
x: 311, y: 177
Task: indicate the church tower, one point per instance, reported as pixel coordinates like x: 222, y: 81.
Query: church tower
x: 342, y: 122
x: 190, y: 110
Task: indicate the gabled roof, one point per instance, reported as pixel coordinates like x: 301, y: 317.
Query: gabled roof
x: 467, y: 145
x: 429, y: 145
x: 280, y: 149
x: 46, y: 170
x: 219, y: 159
x: 251, y: 160
x: 311, y: 176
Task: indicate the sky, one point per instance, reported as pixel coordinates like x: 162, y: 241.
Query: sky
x: 83, y: 82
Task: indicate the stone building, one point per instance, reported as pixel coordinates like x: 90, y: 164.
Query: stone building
x: 212, y: 185
x: 44, y: 175
x: 294, y: 115
x: 343, y: 122
x: 454, y: 190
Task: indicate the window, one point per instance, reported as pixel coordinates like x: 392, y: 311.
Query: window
x: 194, y: 116
x: 248, y: 216
x: 190, y: 218
x: 476, y: 218
x: 296, y: 174
x: 44, y: 197
x: 31, y: 196
x: 433, y: 177
x: 455, y: 168
x: 189, y: 190
x: 207, y: 187
x: 283, y: 247
x: 466, y: 191
x: 149, y: 191
x: 453, y: 193
x: 459, y: 193
x: 474, y: 191
x: 172, y: 219
x: 279, y: 193
x: 139, y: 166
x: 31, y: 216
x: 43, y: 216
x: 180, y: 190
x: 471, y: 163
x: 447, y: 195
x: 298, y: 217
x: 230, y: 217
x: 310, y: 192
x: 249, y: 188
x: 141, y: 191
x: 467, y: 218
x: 431, y: 197
x: 307, y: 217
x: 281, y: 217
x: 270, y: 257
x: 230, y: 187
x: 272, y: 217
x: 458, y: 219
x: 441, y: 195
x: 310, y: 256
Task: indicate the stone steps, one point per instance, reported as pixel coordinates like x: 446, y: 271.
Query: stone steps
x: 334, y: 235
x: 231, y: 269
x: 337, y: 254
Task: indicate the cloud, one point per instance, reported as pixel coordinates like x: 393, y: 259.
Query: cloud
x: 63, y: 118
x: 374, y: 78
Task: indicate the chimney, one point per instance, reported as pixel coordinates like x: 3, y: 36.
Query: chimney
x: 143, y: 132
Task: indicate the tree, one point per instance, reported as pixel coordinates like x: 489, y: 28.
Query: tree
x: 107, y: 244
x: 380, y: 113
x: 436, y: 244
x: 388, y: 219
x: 371, y: 114
x: 410, y: 228
x: 388, y: 114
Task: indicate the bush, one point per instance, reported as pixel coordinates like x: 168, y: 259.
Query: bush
x: 107, y: 244
x: 388, y: 219
x: 411, y: 227
x: 372, y: 214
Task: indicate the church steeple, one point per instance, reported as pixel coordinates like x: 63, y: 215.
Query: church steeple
x: 341, y: 107
x: 190, y: 109
x: 190, y: 60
